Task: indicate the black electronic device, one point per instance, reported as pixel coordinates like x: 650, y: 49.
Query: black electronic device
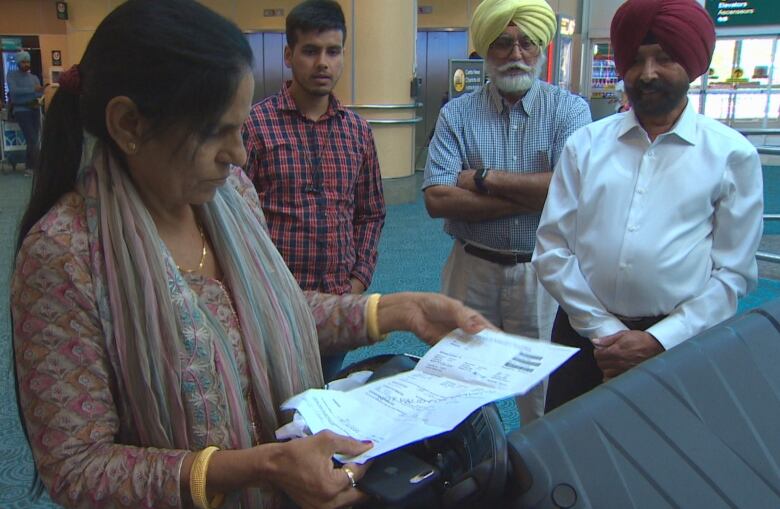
x: 395, y: 478
x: 469, y: 463
x: 694, y: 427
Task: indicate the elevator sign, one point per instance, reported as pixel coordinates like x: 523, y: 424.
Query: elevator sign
x: 744, y: 13
x: 466, y: 75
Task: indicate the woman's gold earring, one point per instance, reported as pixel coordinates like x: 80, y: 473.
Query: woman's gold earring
x: 132, y: 147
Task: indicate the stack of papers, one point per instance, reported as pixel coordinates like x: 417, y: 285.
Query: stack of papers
x: 459, y: 374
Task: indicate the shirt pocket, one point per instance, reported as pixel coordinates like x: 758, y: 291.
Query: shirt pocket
x: 282, y: 165
x: 341, y: 167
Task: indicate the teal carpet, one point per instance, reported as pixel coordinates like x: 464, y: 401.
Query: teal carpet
x: 412, y: 251
x: 16, y: 467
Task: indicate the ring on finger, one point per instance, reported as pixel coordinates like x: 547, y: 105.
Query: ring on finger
x: 351, y: 476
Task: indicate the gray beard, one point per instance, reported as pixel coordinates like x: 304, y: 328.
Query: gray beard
x: 516, y: 84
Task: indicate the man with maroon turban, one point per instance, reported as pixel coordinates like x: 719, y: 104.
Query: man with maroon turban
x: 653, y: 217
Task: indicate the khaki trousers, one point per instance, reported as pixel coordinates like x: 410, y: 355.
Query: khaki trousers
x: 511, y: 297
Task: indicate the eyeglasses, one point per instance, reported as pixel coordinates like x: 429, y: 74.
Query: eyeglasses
x: 505, y: 45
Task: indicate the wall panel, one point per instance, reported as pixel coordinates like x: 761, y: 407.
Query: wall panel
x: 29, y: 17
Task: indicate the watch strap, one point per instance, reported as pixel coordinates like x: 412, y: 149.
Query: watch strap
x: 479, y: 179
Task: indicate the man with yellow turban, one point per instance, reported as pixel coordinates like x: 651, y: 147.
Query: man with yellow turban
x: 654, y: 215
x: 489, y: 165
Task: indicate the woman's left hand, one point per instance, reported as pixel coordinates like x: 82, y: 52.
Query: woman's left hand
x: 428, y: 315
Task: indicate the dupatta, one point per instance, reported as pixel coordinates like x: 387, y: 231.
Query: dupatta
x: 164, y: 345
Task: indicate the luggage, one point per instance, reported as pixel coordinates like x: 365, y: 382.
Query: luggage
x: 463, y: 468
x: 698, y: 426
x: 13, y: 149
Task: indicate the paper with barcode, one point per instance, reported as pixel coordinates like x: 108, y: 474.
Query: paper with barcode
x: 459, y: 374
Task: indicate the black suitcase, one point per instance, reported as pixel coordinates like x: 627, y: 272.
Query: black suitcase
x: 698, y: 427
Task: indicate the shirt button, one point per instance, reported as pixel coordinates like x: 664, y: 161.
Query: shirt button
x: 640, y: 191
x: 633, y: 228
x: 651, y: 154
x: 623, y: 266
x: 514, y: 128
x: 514, y: 158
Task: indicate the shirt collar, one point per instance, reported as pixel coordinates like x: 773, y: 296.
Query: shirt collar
x: 287, y: 103
x: 684, y: 128
x: 525, y: 102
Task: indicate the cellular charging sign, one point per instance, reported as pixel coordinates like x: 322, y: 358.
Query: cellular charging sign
x: 466, y: 75
x: 744, y: 13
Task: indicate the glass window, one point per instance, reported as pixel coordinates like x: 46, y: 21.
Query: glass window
x: 741, y: 82
x: 750, y: 105
x: 718, y: 105
x: 754, y: 61
x: 722, y: 61
x: 774, y: 88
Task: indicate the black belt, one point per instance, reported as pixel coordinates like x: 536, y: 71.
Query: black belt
x: 496, y: 257
x: 640, y: 322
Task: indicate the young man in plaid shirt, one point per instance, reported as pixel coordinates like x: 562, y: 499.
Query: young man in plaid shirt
x: 314, y: 163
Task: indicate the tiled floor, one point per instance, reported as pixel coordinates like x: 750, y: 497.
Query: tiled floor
x: 402, y: 190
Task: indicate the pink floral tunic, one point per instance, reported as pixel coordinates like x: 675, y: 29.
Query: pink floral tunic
x: 85, y: 453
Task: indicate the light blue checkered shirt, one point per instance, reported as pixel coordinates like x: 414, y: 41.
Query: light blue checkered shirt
x: 479, y: 130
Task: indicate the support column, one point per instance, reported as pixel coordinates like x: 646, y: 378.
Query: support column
x: 379, y: 63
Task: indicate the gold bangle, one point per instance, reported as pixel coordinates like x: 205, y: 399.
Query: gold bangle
x: 198, y: 473
x: 372, y: 318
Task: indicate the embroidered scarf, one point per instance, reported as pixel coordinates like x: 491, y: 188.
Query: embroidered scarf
x: 155, y: 325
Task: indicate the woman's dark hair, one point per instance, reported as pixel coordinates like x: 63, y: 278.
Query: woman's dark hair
x: 177, y: 60
x: 314, y: 16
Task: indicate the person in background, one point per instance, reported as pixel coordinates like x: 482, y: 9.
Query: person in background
x: 488, y: 168
x: 157, y: 329
x: 315, y: 166
x: 621, y: 97
x: 24, y: 89
x: 654, y: 216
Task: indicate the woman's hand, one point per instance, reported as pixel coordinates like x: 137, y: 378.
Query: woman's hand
x: 303, y: 469
x: 428, y: 315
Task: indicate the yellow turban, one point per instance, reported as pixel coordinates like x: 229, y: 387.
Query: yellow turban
x: 534, y: 17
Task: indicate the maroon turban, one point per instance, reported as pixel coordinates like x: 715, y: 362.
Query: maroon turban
x: 682, y: 27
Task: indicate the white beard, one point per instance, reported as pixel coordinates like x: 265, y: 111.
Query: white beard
x: 518, y: 83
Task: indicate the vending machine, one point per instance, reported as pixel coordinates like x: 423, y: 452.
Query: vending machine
x: 603, y: 78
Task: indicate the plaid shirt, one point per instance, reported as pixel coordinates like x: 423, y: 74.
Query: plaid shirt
x: 479, y: 130
x: 320, y: 189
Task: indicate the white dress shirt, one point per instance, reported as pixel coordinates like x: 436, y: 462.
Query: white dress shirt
x: 635, y: 228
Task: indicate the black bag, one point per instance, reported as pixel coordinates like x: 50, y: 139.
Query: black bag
x: 693, y: 427
x: 464, y: 468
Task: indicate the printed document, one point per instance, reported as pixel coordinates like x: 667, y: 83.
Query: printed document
x: 459, y: 374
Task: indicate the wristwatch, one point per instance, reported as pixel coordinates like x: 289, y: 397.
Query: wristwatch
x: 479, y: 179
